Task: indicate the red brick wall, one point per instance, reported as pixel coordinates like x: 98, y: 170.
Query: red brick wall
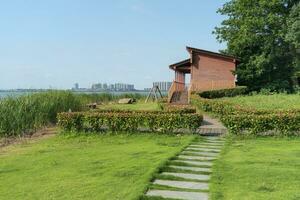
x: 210, y: 72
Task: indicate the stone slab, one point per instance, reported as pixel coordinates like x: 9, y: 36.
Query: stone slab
x: 214, y: 142
x: 202, y: 153
x: 213, y: 138
x: 203, y: 149
x: 200, y: 163
x: 199, y: 177
x: 204, y: 158
x: 206, y: 146
x: 183, y: 184
x: 178, y: 194
x: 195, y: 169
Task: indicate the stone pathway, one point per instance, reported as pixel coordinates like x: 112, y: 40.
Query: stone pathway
x: 187, y: 176
x: 211, y: 127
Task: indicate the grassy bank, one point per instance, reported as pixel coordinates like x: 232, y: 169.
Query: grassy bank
x: 136, y: 106
x: 85, y: 167
x: 260, y: 168
x: 267, y: 102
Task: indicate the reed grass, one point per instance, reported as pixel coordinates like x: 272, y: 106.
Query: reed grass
x: 23, y: 115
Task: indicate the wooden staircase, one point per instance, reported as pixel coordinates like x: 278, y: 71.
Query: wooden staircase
x: 179, y: 97
x: 178, y: 93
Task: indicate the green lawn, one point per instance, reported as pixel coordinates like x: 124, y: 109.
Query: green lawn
x: 135, y: 106
x: 114, y: 167
x: 260, y: 168
x: 275, y: 101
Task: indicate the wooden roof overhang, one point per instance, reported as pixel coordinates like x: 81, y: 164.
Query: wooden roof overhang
x: 182, y: 66
x: 233, y: 59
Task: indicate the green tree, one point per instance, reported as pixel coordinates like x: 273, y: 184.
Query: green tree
x: 293, y: 36
x: 255, y: 31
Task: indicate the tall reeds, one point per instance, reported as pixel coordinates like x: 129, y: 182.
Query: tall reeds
x: 25, y: 114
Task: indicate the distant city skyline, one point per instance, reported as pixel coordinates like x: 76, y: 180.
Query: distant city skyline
x: 55, y: 43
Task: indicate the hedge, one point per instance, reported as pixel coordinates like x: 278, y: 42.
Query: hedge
x: 280, y: 123
x: 230, y: 92
x: 238, y: 119
x: 130, y: 121
x: 173, y: 110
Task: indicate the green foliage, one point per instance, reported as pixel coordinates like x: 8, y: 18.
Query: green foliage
x: 230, y: 92
x: 25, y: 114
x: 140, y: 105
x: 178, y: 110
x: 293, y: 34
x: 238, y: 119
x: 166, y: 107
x: 128, y: 121
x: 255, y: 31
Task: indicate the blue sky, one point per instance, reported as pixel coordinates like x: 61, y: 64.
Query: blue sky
x: 60, y: 42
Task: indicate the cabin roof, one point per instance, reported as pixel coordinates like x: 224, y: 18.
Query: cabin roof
x: 220, y: 55
x: 183, y: 63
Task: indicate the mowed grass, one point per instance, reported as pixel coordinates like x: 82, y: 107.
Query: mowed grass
x: 260, y: 168
x: 115, y: 167
x: 268, y: 102
x: 135, y: 106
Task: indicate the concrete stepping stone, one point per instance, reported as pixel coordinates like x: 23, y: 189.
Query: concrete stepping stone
x: 213, y: 138
x: 204, y: 158
x: 199, y: 177
x: 201, y: 163
x: 203, y: 149
x: 205, y: 146
x: 202, y: 153
x: 178, y: 194
x: 195, y: 169
x: 182, y: 184
x: 208, y: 144
x: 215, y: 142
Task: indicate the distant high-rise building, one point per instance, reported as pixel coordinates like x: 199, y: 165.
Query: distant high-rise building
x: 113, y: 87
x: 163, y: 86
x: 76, y: 86
x: 105, y: 86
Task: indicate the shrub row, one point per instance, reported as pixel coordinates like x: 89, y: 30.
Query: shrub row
x: 130, y: 121
x: 230, y: 92
x: 238, y: 119
x: 166, y: 111
x: 277, y: 123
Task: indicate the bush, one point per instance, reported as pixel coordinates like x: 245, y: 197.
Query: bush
x: 238, y: 119
x: 128, y: 121
x: 230, y: 92
x: 282, y: 123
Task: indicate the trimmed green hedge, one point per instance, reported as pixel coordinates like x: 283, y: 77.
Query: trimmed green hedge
x: 177, y: 110
x: 230, y: 92
x: 130, y: 121
x: 239, y: 120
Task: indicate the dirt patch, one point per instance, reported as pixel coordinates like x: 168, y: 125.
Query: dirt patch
x: 42, y: 133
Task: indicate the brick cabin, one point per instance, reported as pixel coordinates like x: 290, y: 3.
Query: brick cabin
x: 208, y: 71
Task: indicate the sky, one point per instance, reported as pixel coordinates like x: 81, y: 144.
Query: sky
x: 56, y: 43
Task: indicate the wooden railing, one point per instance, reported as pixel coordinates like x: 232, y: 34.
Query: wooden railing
x: 211, y: 85
x: 175, y: 87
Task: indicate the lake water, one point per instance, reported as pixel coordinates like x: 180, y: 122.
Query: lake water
x: 17, y: 93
